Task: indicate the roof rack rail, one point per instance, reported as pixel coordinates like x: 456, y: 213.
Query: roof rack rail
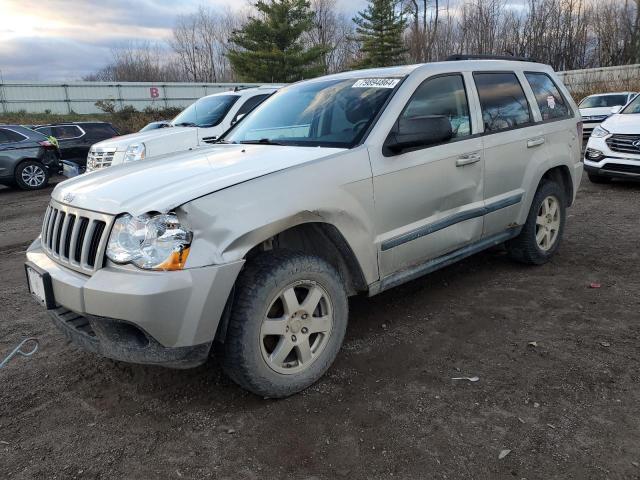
x: 462, y: 56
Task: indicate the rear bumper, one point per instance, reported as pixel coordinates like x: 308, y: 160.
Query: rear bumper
x: 167, y: 318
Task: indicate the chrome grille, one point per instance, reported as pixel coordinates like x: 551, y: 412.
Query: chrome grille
x: 75, y: 238
x: 624, y: 143
x: 100, y: 158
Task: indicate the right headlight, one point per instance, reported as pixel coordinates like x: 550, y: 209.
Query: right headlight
x: 599, y: 132
x: 150, y: 241
x: 135, y: 152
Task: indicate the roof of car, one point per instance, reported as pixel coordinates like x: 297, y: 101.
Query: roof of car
x: 611, y: 93
x: 59, y: 124
x: 450, y: 65
x: 244, y: 91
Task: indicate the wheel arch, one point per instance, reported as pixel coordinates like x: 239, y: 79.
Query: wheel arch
x: 562, y: 176
x: 322, y: 239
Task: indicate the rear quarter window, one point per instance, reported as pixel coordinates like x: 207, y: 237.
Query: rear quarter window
x: 550, y: 101
x: 9, y: 136
x: 100, y: 130
x: 65, y: 132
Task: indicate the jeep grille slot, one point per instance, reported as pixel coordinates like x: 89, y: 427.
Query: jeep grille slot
x: 75, y: 238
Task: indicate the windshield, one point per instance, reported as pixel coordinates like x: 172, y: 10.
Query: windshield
x: 330, y: 113
x: 206, y: 112
x: 598, y: 101
x: 633, y: 107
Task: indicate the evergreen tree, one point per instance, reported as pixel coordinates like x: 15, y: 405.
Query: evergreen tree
x: 270, y: 48
x: 379, y: 30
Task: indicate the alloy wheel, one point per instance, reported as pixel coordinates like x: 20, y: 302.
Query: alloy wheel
x: 33, y: 175
x: 296, y: 327
x: 548, y: 223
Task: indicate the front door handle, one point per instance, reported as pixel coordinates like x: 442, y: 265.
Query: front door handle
x: 534, y: 142
x: 468, y: 159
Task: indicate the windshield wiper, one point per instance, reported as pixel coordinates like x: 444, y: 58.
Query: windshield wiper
x: 262, y: 141
x: 185, y: 124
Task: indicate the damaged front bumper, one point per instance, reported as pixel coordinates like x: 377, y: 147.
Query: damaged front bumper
x: 132, y: 315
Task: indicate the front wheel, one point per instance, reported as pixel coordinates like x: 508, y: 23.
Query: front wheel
x: 541, y: 234
x: 287, y: 323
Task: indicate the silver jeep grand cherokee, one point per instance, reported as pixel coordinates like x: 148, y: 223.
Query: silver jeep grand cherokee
x: 346, y: 184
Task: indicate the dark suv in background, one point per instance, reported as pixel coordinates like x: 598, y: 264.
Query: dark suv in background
x: 75, y: 138
x: 27, y: 158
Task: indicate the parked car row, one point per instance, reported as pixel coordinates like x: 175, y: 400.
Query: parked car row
x: 596, y: 108
x: 199, y: 124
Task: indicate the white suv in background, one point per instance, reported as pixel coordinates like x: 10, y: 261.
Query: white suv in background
x: 596, y: 108
x: 614, y: 146
x: 202, y: 122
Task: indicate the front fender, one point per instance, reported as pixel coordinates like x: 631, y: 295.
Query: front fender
x: 336, y: 190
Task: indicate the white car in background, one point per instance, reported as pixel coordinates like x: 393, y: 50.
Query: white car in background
x: 613, y: 150
x: 200, y: 123
x: 596, y: 108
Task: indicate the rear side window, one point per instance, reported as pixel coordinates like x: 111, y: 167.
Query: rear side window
x: 9, y: 136
x: 504, y: 105
x: 442, y: 96
x: 100, y: 130
x: 65, y: 132
x: 45, y: 131
x: 550, y: 101
x: 249, y: 105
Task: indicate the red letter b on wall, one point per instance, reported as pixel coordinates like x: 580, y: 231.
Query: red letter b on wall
x: 154, y: 92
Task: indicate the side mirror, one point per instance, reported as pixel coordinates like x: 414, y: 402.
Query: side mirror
x: 415, y: 132
x: 616, y: 109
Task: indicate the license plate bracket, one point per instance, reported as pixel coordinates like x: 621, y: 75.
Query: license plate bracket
x: 39, y: 285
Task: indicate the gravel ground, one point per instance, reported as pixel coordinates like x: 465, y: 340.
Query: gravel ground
x: 566, y: 407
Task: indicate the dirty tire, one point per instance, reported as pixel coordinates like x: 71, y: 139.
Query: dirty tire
x: 259, y: 285
x: 594, y: 178
x: 524, y: 248
x: 31, y: 175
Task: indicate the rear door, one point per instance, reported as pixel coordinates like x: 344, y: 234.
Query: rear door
x: 556, y: 117
x: 71, y: 139
x: 512, y: 142
x: 429, y: 201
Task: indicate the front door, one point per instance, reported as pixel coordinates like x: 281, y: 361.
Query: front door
x: 429, y: 201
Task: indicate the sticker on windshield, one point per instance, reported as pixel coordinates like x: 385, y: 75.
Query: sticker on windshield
x: 376, y: 83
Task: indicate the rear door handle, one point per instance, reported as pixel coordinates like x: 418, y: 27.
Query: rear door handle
x: 534, y: 142
x: 468, y: 159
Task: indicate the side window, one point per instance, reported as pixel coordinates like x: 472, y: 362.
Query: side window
x: 442, y: 96
x: 100, y: 130
x: 503, y: 102
x: 9, y: 136
x: 550, y: 100
x: 249, y: 105
x: 65, y: 132
x: 44, y: 130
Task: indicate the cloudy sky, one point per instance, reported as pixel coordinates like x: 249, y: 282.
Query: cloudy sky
x: 66, y: 39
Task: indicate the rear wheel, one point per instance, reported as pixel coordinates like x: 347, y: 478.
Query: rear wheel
x: 541, y: 234
x: 287, y: 323
x: 31, y: 175
x: 594, y: 178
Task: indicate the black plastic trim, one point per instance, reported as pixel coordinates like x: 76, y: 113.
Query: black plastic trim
x: 450, y: 220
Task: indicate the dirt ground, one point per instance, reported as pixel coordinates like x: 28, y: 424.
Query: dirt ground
x: 566, y: 408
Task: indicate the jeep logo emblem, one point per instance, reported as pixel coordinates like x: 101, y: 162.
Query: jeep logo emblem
x: 68, y: 197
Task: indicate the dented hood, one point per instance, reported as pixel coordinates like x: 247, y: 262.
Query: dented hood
x: 167, y: 182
